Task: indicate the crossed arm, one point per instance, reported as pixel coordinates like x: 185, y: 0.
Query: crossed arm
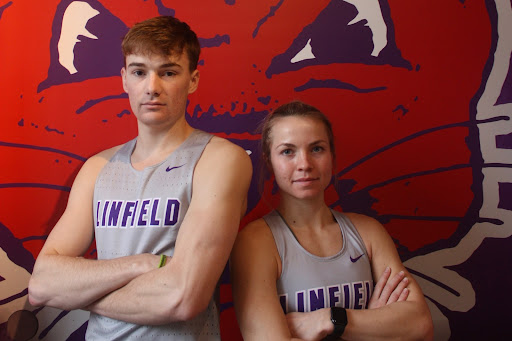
x: 396, y: 310
x: 132, y: 288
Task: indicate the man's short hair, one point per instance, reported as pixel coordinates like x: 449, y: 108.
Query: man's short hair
x: 163, y: 35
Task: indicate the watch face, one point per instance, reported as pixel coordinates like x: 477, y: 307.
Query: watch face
x: 339, y: 317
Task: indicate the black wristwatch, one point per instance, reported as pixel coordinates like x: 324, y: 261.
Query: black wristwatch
x: 339, y: 319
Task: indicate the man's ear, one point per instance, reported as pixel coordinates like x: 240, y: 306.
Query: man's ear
x: 123, y: 78
x: 194, y: 81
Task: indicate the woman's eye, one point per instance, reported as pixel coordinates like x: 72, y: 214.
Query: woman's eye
x: 286, y: 152
x: 317, y: 149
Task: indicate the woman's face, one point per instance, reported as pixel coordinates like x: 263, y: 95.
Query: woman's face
x: 300, y: 157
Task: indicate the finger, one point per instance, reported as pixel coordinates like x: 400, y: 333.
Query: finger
x: 395, y: 295
x: 404, y: 295
x: 391, y: 285
x: 381, y: 282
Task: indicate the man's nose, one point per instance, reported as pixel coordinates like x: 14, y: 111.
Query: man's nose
x: 153, y: 85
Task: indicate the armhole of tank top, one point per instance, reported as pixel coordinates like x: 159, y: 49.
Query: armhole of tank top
x: 279, y: 252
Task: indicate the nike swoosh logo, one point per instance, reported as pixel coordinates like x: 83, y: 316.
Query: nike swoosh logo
x: 168, y: 169
x: 353, y: 260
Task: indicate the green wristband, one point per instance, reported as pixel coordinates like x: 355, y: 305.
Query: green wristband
x: 163, y: 258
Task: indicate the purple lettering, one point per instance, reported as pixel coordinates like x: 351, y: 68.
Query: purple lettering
x: 283, y: 299
x: 300, y: 301
x: 334, y: 296
x: 98, y: 213
x: 368, y: 293
x: 105, y: 208
x: 113, y: 216
x: 346, y: 297
x: 358, y: 295
x: 142, y: 214
x: 171, y: 212
x: 316, y: 299
x: 129, y: 210
x: 154, y: 210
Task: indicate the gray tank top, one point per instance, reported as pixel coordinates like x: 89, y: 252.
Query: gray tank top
x: 141, y: 212
x: 310, y: 282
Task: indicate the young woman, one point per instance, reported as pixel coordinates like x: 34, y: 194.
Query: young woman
x: 305, y: 271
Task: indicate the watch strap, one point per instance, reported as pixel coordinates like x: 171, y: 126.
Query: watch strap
x: 339, y: 320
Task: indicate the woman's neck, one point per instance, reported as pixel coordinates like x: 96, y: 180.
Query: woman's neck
x: 305, y: 213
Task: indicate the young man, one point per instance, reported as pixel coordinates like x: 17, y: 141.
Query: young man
x: 172, y: 191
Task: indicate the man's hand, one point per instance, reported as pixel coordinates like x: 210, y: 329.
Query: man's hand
x: 389, y: 290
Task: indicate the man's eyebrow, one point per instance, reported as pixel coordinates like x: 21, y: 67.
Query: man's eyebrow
x: 166, y: 65
x: 163, y: 66
x: 136, y: 64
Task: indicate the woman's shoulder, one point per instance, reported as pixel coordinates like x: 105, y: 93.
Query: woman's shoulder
x: 255, y: 231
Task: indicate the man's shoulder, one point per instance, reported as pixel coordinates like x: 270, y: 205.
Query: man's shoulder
x: 219, y: 147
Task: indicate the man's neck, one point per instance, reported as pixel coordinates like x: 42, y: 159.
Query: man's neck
x: 155, y: 145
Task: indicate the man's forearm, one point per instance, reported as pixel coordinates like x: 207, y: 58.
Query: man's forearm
x: 73, y: 282
x: 153, y: 298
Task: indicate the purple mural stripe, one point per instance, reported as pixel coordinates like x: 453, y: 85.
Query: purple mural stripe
x: 418, y: 134
x: 43, y: 334
x: 23, y: 240
x: 225, y: 123
x: 335, y: 84
x: 434, y: 281
x: 428, y: 172
x: 505, y: 193
x: 271, y: 13
x: 46, y: 149
x: 35, y: 185
x: 216, y: 41
x: 14, y: 297
x: 92, y: 102
x: 14, y: 249
x: 163, y: 10
x: 388, y: 217
x: 4, y: 7
x: 52, y: 130
x: 504, y: 141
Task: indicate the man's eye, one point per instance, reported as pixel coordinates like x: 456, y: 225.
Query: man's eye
x: 138, y: 73
x: 169, y: 73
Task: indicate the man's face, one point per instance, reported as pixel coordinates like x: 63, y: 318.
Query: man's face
x: 158, y: 87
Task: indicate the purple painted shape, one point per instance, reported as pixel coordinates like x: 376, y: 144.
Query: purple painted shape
x: 504, y: 141
x: 4, y: 7
x: 334, y: 41
x: 94, y: 58
x: 14, y: 249
x: 335, y: 84
x: 163, y: 10
x: 216, y: 41
x: 506, y: 91
x: 505, y: 193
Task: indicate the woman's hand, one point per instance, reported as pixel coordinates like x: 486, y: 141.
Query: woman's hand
x: 388, y: 291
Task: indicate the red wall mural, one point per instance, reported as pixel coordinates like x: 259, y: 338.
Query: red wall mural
x: 419, y: 92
